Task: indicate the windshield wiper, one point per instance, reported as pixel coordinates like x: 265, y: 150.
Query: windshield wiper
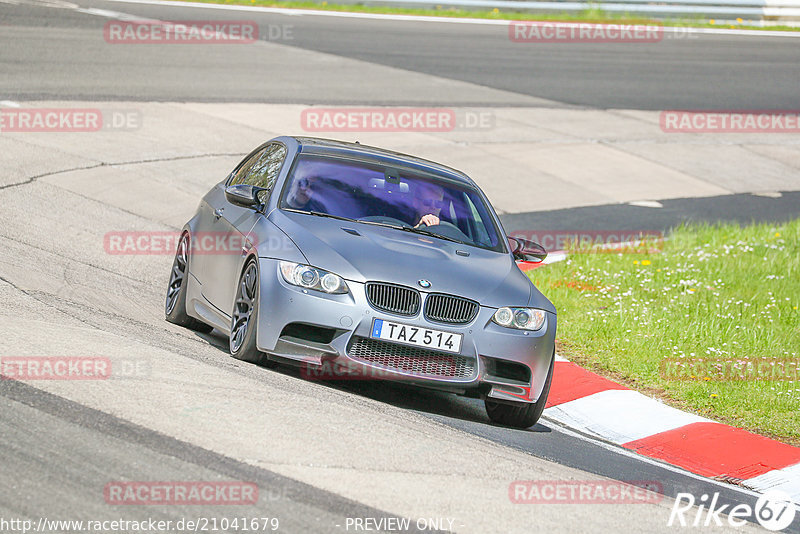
x: 432, y: 234
x: 387, y: 225
x: 414, y: 230
x: 376, y: 223
x: 321, y: 214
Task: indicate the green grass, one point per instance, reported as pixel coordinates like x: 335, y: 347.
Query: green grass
x: 716, y: 292
x: 592, y: 14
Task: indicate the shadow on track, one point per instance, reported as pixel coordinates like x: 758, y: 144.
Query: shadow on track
x: 407, y: 397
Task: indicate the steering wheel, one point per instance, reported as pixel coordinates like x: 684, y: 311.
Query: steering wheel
x: 448, y: 229
x: 448, y: 224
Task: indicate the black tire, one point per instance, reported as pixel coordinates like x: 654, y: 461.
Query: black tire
x: 244, y: 319
x: 520, y: 414
x: 175, y: 305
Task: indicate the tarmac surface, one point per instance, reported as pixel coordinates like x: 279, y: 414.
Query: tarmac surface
x: 319, y: 453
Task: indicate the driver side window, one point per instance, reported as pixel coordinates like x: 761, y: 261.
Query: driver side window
x: 242, y: 171
x: 265, y: 171
x: 262, y: 169
x: 477, y: 226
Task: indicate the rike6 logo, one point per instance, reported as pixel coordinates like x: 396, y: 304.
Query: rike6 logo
x: 774, y: 511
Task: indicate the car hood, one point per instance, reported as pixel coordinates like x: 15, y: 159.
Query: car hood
x: 362, y: 252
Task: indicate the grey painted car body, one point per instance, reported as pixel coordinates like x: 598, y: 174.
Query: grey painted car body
x: 361, y: 253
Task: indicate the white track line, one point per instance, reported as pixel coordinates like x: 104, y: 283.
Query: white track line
x: 116, y: 15
x: 652, y: 461
x: 443, y: 20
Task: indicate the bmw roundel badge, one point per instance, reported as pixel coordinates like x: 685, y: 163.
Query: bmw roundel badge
x: 424, y: 283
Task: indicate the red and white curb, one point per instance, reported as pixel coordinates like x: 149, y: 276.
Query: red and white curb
x: 561, y: 255
x: 586, y: 402
x: 552, y: 257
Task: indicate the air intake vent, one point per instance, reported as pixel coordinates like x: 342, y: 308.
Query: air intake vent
x: 450, y: 309
x: 411, y: 360
x: 393, y: 299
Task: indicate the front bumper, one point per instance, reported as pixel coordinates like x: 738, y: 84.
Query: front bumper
x: 481, y: 367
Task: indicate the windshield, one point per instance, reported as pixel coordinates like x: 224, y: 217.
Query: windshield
x: 397, y: 197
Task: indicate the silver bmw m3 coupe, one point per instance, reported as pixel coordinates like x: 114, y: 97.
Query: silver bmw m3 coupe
x: 324, y: 253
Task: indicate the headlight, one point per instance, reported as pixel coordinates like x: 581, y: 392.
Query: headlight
x: 312, y: 278
x: 520, y: 318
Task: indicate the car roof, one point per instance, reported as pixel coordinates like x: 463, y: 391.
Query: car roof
x: 316, y: 145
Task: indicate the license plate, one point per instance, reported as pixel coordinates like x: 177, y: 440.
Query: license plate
x: 416, y: 335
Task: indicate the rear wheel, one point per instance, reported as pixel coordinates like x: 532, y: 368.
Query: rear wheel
x: 175, y: 305
x: 244, y: 319
x: 520, y: 414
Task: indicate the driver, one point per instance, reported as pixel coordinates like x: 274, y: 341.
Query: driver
x: 301, y: 195
x: 428, y: 204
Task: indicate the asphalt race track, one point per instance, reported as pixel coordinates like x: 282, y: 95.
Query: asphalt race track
x: 682, y: 71
x: 573, y: 138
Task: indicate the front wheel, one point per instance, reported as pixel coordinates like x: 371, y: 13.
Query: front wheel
x: 519, y: 414
x: 175, y: 305
x: 244, y: 319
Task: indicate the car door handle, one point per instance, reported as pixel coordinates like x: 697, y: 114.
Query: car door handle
x: 218, y: 213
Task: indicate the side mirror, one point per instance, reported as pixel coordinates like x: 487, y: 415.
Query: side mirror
x: 525, y: 250
x: 244, y: 195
